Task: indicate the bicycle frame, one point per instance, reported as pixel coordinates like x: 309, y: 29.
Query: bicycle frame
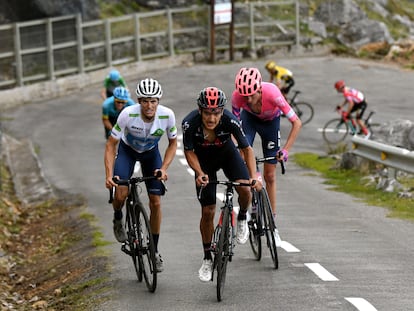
x: 222, y: 243
x: 139, y: 245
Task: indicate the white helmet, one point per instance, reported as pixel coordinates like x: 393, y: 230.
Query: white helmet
x: 149, y: 88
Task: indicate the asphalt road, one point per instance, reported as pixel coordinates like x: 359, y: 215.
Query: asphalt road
x: 338, y: 253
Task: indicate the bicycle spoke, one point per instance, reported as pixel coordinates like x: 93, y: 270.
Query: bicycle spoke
x: 146, y: 250
x: 304, y: 112
x: 223, y: 253
x: 255, y: 228
x: 270, y: 228
x: 335, y: 131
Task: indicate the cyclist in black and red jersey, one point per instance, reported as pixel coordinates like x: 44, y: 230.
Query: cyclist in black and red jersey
x: 208, y: 147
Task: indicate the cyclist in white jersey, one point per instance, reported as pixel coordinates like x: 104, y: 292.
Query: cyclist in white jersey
x: 134, y: 138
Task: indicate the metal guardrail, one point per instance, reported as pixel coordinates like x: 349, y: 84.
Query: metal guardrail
x: 390, y: 156
x: 47, y: 49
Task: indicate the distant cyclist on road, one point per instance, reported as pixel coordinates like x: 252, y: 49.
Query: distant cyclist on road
x: 208, y: 147
x: 136, y: 134
x: 282, y: 77
x: 112, y: 80
x: 356, y: 103
x: 259, y: 106
x: 112, y: 107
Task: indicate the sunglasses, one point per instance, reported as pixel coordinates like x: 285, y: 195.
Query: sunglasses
x: 123, y: 102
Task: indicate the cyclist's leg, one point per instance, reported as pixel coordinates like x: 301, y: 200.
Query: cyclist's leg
x: 270, y: 134
x: 235, y: 169
x: 150, y: 161
x: 359, y: 117
x: 123, y: 167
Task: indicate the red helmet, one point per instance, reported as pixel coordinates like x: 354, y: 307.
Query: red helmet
x: 211, y: 98
x: 248, y: 81
x: 339, y: 84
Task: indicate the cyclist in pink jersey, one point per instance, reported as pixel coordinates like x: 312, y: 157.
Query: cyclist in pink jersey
x: 356, y: 103
x: 259, y: 105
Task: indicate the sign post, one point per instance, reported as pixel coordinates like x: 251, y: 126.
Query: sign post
x: 221, y: 13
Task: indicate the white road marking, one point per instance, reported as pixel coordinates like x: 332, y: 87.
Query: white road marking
x: 183, y: 161
x: 332, y: 130
x: 180, y: 152
x: 289, y: 247
x: 361, y: 304
x: 321, y: 272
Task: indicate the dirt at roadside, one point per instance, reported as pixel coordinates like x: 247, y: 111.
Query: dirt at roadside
x: 47, y: 257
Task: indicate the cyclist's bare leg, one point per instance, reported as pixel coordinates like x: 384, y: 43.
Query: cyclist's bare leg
x: 207, y: 223
x: 121, y: 193
x: 245, y: 196
x: 362, y: 126
x: 269, y: 174
x: 156, y: 213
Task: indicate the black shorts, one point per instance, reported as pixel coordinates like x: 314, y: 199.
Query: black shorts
x: 360, y: 109
x: 228, y: 159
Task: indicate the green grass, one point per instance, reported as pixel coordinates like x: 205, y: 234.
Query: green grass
x: 353, y: 182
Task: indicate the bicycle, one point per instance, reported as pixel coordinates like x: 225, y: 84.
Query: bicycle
x: 303, y: 109
x: 223, y: 244
x: 336, y: 130
x: 262, y: 222
x: 139, y: 244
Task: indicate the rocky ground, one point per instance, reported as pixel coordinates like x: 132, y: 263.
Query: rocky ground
x: 48, y: 260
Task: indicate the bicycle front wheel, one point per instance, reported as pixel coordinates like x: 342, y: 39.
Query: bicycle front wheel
x: 335, y: 131
x: 223, y: 253
x: 133, y: 243
x: 269, y: 227
x: 255, y: 227
x: 304, y: 111
x: 146, y: 250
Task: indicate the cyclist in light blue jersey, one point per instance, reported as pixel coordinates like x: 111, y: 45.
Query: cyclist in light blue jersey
x: 135, y: 137
x: 112, y: 107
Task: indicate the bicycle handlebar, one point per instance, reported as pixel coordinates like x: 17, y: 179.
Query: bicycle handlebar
x: 227, y: 183
x: 282, y: 163
x: 132, y: 181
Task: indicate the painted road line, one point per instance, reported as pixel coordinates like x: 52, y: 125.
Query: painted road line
x: 331, y: 130
x: 361, y: 304
x: 179, y: 152
x: 183, y: 161
x: 289, y: 247
x: 321, y: 272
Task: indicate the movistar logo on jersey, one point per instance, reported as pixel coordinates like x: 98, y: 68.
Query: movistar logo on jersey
x: 134, y: 115
x: 117, y: 128
x: 158, y: 132
x: 163, y: 117
x: 173, y: 129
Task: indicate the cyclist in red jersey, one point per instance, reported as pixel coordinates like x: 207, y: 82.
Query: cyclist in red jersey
x: 356, y: 103
x: 259, y: 105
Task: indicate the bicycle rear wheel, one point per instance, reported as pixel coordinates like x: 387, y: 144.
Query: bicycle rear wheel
x: 255, y: 226
x: 146, y: 250
x: 335, y: 131
x: 223, y: 253
x: 133, y: 243
x: 304, y: 111
x: 269, y: 227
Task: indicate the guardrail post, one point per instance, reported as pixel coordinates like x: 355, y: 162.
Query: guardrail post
x: 18, y: 56
x: 170, y: 32
x: 108, y: 44
x: 50, y: 58
x: 137, y: 38
x: 79, y: 36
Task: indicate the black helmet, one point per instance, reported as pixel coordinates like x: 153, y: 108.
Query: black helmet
x: 211, y: 98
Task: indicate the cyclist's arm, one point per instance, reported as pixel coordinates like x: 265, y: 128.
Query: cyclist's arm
x: 293, y: 134
x: 249, y: 158
x: 109, y: 160
x: 168, y: 157
x: 107, y: 124
x: 194, y: 163
x: 103, y: 93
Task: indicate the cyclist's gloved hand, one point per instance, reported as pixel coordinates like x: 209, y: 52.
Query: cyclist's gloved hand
x: 345, y: 115
x: 338, y: 107
x: 283, y: 155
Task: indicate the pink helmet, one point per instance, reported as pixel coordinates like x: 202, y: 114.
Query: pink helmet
x: 339, y: 84
x: 248, y: 81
